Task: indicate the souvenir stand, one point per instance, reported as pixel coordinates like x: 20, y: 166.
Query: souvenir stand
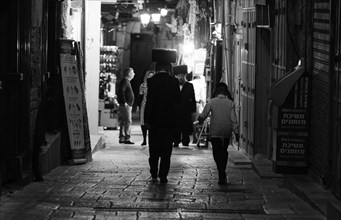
x: 109, y: 70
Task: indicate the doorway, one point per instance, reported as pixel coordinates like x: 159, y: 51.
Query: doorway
x: 14, y: 126
x: 141, y: 59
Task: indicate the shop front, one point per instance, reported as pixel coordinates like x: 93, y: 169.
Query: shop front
x: 289, y: 97
x: 112, y: 38
x: 101, y: 66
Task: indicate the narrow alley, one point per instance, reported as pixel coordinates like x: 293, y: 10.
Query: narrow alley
x: 117, y: 185
x: 266, y: 71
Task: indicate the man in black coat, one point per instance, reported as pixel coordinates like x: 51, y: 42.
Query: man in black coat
x: 185, y: 108
x: 162, y: 97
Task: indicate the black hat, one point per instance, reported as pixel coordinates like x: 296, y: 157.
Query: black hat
x: 181, y: 69
x: 164, y: 56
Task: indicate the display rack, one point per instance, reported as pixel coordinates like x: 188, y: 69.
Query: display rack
x: 109, y: 71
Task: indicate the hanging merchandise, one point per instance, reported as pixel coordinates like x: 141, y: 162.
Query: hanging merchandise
x: 108, y: 76
x: 182, y: 7
x: 192, y: 16
x: 109, y: 69
x: 202, y: 25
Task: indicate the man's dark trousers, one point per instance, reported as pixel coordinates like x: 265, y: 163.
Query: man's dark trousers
x: 160, y: 147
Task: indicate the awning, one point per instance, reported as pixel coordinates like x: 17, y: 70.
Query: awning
x: 281, y: 88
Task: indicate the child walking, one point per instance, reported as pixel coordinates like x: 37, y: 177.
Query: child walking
x: 223, y: 121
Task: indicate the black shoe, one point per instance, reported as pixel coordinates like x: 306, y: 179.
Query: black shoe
x: 164, y: 180
x: 121, y: 141
x: 129, y: 142
x: 153, y: 179
x: 222, y: 182
x: 176, y: 145
x: 143, y: 143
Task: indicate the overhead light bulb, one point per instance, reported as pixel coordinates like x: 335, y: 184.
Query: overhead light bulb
x: 145, y: 18
x: 156, y: 17
x: 163, y: 12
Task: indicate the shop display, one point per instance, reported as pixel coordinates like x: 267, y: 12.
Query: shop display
x: 109, y: 70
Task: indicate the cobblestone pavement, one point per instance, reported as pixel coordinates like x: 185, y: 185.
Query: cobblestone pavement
x: 116, y: 185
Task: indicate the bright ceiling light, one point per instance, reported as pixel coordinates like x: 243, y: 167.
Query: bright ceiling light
x: 156, y: 17
x: 145, y: 18
x: 163, y: 12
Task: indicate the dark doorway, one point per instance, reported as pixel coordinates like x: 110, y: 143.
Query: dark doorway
x: 140, y: 58
x: 14, y: 94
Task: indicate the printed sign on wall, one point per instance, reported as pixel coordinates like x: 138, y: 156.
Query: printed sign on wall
x: 292, y: 148
x: 293, y: 128
x: 199, y: 61
x: 293, y: 119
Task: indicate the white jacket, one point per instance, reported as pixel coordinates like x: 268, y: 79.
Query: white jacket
x: 223, y: 118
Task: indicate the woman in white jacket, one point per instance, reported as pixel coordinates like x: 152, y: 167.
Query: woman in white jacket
x: 223, y: 121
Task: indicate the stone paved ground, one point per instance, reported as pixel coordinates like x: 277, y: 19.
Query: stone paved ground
x: 116, y: 185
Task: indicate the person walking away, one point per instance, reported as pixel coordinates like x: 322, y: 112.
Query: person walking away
x: 143, y: 98
x: 186, y: 107
x: 162, y: 98
x: 125, y: 99
x: 199, y: 86
x: 223, y: 121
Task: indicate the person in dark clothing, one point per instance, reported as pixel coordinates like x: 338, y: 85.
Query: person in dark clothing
x: 223, y: 121
x: 125, y: 99
x: 185, y: 108
x: 162, y: 97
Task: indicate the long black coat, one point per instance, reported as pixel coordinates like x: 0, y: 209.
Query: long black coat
x: 185, y: 108
x: 162, y: 97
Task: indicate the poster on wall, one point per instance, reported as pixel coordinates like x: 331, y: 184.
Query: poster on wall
x: 293, y: 119
x: 73, y: 100
x: 199, y: 61
x: 293, y: 129
x: 292, y: 150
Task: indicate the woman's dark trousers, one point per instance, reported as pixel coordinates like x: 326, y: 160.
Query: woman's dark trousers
x: 220, y: 154
x: 144, y: 132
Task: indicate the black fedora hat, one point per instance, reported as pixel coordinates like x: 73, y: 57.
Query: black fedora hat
x: 164, y: 56
x: 181, y: 69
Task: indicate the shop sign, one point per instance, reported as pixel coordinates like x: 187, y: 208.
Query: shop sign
x: 199, y: 61
x: 293, y: 129
x: 294, y: 115
x: 73, y: 100
x: 292, y: 148
x: 290, y: 119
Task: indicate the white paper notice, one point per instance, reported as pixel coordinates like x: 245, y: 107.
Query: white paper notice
x: 73, y: 100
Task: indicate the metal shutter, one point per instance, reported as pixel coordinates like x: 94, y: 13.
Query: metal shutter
x: 320, y: 103
x: 336, y: 100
